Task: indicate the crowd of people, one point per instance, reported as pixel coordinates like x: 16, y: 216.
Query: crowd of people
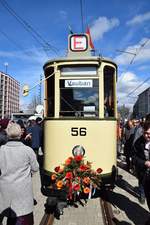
x: 20, y: 156
x: 134, y: 144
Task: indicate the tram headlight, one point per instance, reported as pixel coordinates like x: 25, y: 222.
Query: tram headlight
x: 78, y: 150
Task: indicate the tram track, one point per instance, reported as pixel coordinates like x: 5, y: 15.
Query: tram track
x: 107, y: 212
x: 48, y: 219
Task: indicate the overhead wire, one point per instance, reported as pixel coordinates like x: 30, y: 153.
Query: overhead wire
x: 138, y: 86
x: 45, y: 45
x: 19, y: 19
x: 28, y: 53
x: 131, y: 62
x: 134, y: 54
x: 82, y: 19
x: 138, y: 50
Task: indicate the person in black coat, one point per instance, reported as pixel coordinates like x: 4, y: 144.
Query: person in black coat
x: 141, y: 159
x: 128, y: 138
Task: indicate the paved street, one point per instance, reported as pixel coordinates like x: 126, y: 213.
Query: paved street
x: 126, y: 208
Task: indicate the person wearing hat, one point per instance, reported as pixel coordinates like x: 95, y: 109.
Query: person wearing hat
x: 17, y: 163
x: 3, y: 135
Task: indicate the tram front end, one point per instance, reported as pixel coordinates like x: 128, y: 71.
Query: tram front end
x: 80, y: 114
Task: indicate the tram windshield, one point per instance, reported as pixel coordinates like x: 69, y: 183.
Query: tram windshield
x: 79, y: 98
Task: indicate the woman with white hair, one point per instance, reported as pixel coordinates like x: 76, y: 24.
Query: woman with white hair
x: 17, y: 162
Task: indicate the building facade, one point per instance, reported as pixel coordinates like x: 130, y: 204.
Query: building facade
x: 9, y: 95
x: 142, y: 105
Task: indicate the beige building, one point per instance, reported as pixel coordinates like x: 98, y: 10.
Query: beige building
x: 9, y: 95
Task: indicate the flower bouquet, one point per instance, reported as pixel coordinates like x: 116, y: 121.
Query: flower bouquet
x: 77, y: 178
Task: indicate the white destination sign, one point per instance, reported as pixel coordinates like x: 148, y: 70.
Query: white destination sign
x: 78, y: 43
x: 79, y: 83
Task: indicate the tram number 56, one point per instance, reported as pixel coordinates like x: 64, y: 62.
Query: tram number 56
x: 78, y: 131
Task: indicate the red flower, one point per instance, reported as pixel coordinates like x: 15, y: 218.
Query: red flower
x: 57, y: 168
x: 76, y: 176
x: 68, y: 161
x: 99, y: 170
x: 78, y: 158
x: 76, y: 187
x: 67, y: 183
x: 61, y: 170
x: 83, y: 167
x: 86, y: 180
x: 69, y: 175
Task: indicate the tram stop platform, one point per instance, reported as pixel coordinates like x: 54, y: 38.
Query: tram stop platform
x: 126, y: 207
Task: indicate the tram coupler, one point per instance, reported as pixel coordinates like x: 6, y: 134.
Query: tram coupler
x: 54, y: 206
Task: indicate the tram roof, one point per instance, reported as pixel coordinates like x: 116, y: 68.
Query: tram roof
x: 74, y: 59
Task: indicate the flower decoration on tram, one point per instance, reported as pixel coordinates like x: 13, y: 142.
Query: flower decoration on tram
x: 77, y: 178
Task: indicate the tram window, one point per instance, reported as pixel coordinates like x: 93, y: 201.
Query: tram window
x: 78, y: 70
x: 108, y: 91
x: 50, y: 96
x: 79, y: 101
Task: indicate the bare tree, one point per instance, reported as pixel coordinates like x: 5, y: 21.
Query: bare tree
x: 124, y: 111
x: 34, y: 102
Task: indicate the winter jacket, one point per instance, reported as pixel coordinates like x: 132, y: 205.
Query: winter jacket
x: 17, y: 162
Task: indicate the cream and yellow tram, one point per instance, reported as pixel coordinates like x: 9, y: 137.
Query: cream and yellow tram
x: 80, y: 109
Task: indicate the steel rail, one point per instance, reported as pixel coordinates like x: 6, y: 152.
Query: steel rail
x: 48, y: 219
x: 107, y: 212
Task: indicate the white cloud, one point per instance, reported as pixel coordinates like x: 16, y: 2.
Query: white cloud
x: 29, y: 73
x: 141, y: 50
x: 6, y: 54
x: 63, y: 14
x: 127, y: 83
x: 33, y: 55
x: 101, y: 26
x: 144, y: 67
x: 139, y: 19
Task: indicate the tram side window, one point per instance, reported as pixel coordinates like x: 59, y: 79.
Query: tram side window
x: 50, y: 96
x: 108, y: 91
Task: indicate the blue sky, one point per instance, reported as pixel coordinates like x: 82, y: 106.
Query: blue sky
x: 114, y: 24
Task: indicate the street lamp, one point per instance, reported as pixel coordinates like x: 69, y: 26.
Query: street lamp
x: 6, y: 66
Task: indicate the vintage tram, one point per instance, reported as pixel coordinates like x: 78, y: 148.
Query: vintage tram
x: 80, y: 110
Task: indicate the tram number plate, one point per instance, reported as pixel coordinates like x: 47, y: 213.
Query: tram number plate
x: 78, y: 131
